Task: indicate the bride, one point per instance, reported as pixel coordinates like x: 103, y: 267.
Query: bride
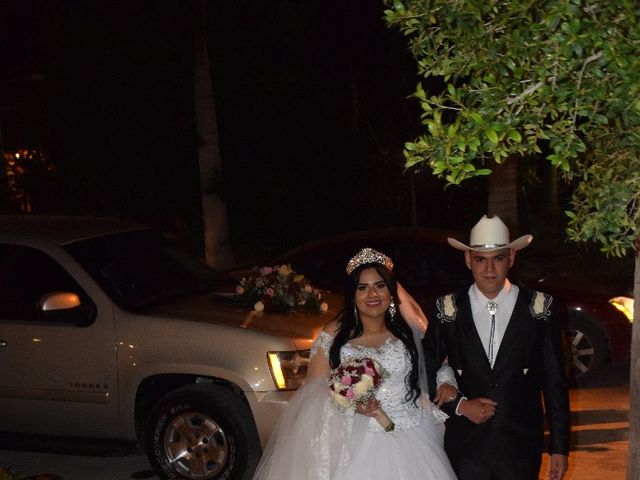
x: 399, y: 433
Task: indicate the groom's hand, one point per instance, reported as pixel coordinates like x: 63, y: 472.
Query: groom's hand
x: 445, y: 393
x: 478, y: 410
x: 557, y: 466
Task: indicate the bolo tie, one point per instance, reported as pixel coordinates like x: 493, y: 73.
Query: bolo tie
x: 492, y: 307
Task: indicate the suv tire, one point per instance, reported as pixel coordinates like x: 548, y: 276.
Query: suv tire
x: 208, y: 432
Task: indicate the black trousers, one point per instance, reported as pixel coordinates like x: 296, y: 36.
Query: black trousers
x: 469, y: 470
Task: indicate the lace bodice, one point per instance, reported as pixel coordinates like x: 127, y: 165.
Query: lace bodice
x: 395, y: 360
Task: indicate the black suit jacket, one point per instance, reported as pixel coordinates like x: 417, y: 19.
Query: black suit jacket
x: 529, y: 366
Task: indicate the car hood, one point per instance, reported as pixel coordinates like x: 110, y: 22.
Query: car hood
x: 219, y: 308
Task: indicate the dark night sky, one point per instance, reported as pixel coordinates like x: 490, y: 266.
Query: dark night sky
x: 311, y: 104
x: 312, y: 109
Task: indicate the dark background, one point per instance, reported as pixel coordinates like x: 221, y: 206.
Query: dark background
x: 312, y: 102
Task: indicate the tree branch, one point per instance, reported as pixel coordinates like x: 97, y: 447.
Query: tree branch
x: 528, y: 91
x: 590, y: 58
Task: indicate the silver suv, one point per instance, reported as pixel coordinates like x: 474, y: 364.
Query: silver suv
x: 108, y: 331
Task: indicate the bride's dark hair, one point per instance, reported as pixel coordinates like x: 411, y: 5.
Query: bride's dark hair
x: 350, y: 328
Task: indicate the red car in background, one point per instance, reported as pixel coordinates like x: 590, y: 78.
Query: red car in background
x: 596, y: 331
x: 599, y: 319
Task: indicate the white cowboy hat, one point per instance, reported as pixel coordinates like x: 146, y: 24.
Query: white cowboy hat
x: 488, y: 235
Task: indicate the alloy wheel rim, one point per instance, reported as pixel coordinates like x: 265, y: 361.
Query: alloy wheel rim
x: 583, y: 352
x: 196, y: 446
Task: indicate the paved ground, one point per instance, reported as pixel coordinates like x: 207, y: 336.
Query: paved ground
x: 73, y: 467
x: 94, y: 463
x: 600, y: 427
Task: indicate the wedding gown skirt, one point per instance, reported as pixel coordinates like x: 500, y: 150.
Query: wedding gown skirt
x: 315, y: 440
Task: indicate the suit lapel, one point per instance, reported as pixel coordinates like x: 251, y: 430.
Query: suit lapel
x: 469, y: 332
x: 519, y: 315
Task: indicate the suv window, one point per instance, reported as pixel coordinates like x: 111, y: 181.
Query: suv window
x: 140, y: 269
x: 26, y: 274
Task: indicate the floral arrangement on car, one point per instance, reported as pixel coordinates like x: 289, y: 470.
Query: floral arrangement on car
x: 356, y: 382
x: 279, y: 289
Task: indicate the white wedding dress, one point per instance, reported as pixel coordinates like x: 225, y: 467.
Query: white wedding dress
x: 315, y: 440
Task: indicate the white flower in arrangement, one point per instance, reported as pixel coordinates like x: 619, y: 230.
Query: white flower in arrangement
x: 343, y: 402
x: 259, y: 306
x: 308, y: 288
x: 285, y: 270
x: 363, y: 386
x: 324, y: 307
x: 289, y: 300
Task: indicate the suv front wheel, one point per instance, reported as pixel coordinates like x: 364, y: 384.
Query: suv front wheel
x: 202, y: 431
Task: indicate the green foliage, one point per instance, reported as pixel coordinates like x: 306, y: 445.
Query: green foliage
x: 606, y: 200
x: 557, y: 77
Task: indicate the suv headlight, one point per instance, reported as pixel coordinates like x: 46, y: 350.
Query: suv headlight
x: 625, y: 305
x: 288, y: 369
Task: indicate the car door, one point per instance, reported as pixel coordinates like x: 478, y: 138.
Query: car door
x: 57, y: 373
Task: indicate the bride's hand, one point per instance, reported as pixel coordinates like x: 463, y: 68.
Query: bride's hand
x: 446, y: 393
x: 368, y: 409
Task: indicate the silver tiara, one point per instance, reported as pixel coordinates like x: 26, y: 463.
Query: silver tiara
x: 368, y: 255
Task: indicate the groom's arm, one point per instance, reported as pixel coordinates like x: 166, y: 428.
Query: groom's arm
x: 555, y: 390
x: 435, y: 352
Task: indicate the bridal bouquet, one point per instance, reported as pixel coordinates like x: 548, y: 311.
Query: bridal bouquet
x: 356, y: 381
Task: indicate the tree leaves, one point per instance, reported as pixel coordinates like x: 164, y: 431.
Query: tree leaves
x: 523, y: 78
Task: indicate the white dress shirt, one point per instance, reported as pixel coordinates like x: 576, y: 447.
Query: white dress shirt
x: 506, y: 300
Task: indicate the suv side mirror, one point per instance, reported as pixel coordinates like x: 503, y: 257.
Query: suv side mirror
x: 54, y: 301
x: 65, y: 307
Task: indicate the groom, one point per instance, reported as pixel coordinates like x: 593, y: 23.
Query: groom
x: 503, y: 344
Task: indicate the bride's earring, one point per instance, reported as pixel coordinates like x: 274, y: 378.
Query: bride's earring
x: 356, y: 317
x: 392, y: 310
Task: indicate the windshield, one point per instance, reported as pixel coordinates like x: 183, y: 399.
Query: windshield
x: 141, y: 269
